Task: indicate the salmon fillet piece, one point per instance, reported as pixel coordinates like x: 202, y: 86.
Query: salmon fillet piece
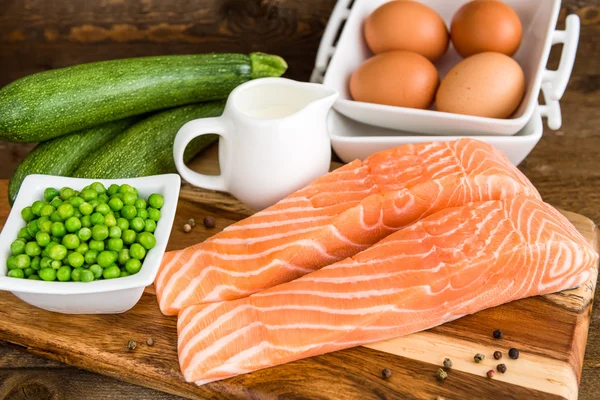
x: 453, y: 263
x: 337, y: 216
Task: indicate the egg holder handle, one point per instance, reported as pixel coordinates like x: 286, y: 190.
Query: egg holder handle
x: 554, y: 82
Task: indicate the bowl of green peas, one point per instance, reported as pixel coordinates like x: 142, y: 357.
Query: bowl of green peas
x: 84, y: 246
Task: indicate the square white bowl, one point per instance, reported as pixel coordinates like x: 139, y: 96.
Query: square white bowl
x: 538, y: 18
x: 98, y: 297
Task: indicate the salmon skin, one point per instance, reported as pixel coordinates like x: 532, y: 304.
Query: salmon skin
x: 335, y: 217
x: 453, y: 263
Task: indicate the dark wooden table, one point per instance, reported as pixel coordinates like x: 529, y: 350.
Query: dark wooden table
x: 36, y: 35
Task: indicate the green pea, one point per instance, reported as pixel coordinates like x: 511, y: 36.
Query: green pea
x: 32, y: 228
x: 91, y: 256
x: 89, y: 194
x: 17, y: 247
x: 36, y: 207
x: 97, y: 218
x: 66, y: 193
x: 128, y: 212
x: 28, y: 272
x: 76, y: 274
x: 27, y: 214
x: 73, y: 224
x: 45, y: 226
x: 146, y: 239
x: 71, y: 241
x: 117, y: 214
x: 111, y: 272
x: 106, y: 258
x: 117, y: 196
x: 35, y: 262
x: 112, y: 189
x: 129, y: 198
x: 149, y: 226
x: 16, y: 273
x: 97, y: 245
x: 50, y: 193
x: 56, y: 202
x: 77, y: 214
x: 142, y: 213
x: 98, y: 187
x: 87, y: 276
x: 96, y: 270
x: 46, y: 211
x: 137, y: 251
x: 103, y: 209
x: 55, y: 217
x: 58, y: 251
x: 76, y: 202
x: 47, y: 274
x: 65, y: 210
x: 115, y: 244
x: 140, y: 204
x: 99, y: 232
x: 11, y: 263
x: 24, y: 234
x: 86, y: 221
x: 23, y: 261
x: 75, y: 259
x: 86, y: 208
x: 137, y: 224
x: 34, y: 277
x: 63, y: 274
x: 33, y: 249
x: 110, y: 220
x: 82, y: 248
x: 123, y: 224
x: 124, y: 274
x: 154, y: 214
x: 94, y: 203
x: 115, y: 204
x: 156, y: 200
x: 45, y: 262
x: 125, y: 188
x: 133, y: 266
x: 103, y: 199
x: 58, y: 229
x: 128, y: 236
x: 56, y: 264
x: 123, y: 256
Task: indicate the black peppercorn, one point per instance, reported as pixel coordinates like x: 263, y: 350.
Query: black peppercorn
x: 498, y: 334
x: 513, y: 353
x: 209, y: 222
x: 386, y: 373
x: 497, y: 355
x: 501, y: 368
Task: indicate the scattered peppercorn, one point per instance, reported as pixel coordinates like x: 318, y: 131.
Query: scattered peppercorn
x: 501, y: 368
x: 386, y: 373
x: 150, y: 341
x: 490, y: 373
x: 131, y: 345
x: 441, y: 374
x: 187, y: 228
x: 192, y: 222
x: 497, y: 355
x: 447, y: 363
x: 513, y: 353
x: 479, y: 357
x: 498, y: 334
x: 209, y: 222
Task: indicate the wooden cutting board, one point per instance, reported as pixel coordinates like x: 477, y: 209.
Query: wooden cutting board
x: 550, y: 332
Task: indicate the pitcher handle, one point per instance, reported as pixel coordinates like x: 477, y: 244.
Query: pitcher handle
x: 186, y: 134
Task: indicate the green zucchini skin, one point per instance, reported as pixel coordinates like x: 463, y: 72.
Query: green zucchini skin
x: 56, y: 102
x: 62, y: 156
x: 146, y: 148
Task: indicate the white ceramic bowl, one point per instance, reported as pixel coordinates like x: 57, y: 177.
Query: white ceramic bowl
x: 353, y: 140
x: 97, y: 297
x: 336, y: 61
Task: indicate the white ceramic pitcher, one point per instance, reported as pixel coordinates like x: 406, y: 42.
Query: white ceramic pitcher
x: 273, y: 140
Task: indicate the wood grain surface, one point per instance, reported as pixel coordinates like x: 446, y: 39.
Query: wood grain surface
x: 37, y: 35
x: 550, y: 332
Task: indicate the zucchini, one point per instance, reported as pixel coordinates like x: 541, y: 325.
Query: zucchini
x: 146, y: 148
x: 56, y: 102
x: 62, y: 155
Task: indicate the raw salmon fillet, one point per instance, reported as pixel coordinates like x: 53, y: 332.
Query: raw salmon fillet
x: 453, y: 263
x: 335, y: 217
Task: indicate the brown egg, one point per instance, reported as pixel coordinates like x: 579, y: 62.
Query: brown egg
x: 407, y: 25
x: 486, y: 25
x: 486, y: 85
x: 395, y: 78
